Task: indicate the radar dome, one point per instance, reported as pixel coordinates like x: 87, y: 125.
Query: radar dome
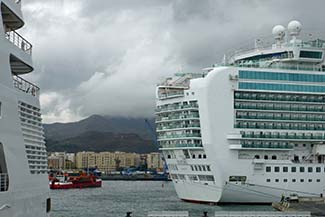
x: 294, y: 28
x: 278, y: 31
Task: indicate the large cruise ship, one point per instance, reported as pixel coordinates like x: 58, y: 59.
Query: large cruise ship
x: 23, y: 158
x: 250, y: 129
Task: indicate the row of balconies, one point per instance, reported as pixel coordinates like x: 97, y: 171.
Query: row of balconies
x: 280, y: 107
x: 176, y: 136
x: 171, y: 94
x: 281, y: 126
x: 294, y: 117
x: 172, y: 108
x: 281, y: 136
x: 178, y: 126
x: 177, y: 117
x: 267, y: 146
x: 20, y: 59
x: 181, y: 145
x: 280, y: 97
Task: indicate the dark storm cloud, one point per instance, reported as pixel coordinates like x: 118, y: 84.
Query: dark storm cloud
x: 105, y: 56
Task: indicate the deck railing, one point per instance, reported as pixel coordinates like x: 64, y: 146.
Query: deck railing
x: 19, y: 41
x: 4, y: 181
x: 25, y: 86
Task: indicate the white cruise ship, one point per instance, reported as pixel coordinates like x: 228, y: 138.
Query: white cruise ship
x: 24, y: 187
x: 250, y: 129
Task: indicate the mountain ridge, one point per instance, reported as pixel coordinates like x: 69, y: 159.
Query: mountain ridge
x: 101, y: 133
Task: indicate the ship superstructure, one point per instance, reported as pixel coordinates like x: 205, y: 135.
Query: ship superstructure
x: 251, y: 129
x: 23, y: 158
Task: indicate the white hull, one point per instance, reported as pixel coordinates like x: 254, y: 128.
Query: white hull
x: 24, y: 188
x: 249, y: 132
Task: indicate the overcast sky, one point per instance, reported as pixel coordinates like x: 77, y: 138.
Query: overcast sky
x: 106, y: 56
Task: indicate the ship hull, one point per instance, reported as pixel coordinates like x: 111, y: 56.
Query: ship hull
x: 69, y: 185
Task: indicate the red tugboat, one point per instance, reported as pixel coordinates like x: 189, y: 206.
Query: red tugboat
x: 82, y: 181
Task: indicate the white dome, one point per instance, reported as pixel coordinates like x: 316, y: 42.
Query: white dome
x: 278, y: 31
x: 294, y: 27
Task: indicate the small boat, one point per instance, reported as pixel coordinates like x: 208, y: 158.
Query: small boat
x: 81, y: 181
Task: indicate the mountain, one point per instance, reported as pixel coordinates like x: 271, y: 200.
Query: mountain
x: 101, y: 133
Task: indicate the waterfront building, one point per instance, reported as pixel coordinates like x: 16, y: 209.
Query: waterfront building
x: 85, y: 159
x: 107, y: 161
x: 23, y: 158
x: 154, y: 161
x: 61, y: 160
x: 251, y: 128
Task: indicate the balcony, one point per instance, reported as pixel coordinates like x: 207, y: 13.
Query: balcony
x: 4, y: 182
x: 11, y: 14
x: 25, y: 86
x: 19, y: 41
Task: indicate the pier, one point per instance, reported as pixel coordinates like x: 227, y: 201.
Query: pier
x: 227, y: 214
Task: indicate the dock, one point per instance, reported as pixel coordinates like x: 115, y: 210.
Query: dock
x: 227, y: 214
x: 315, y: 205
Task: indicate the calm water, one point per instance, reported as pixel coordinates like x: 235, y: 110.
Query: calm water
x: 115, y: 198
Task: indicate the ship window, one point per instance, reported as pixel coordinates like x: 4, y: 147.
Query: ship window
x: 273, y: 157
x: 293, y: 169
x: 317, y: 169
x: 4, y: 178
x: 195, y: 168
x: 257, y: 157
x: 48, y: 205
x: 310, y: 54
x: 276, y: 169
x: 293, y: 180
x: 285, y: 180
x: 310, y: 169
x: 317, y: 180
x: 310, y: 180
x: 181, y: 177
x: 276, y: 180
x: 266, y: 157
x: 208, y: 168
x: 285, y: 169
x: 200, y: 156
x: 302, y: 169
x: 302, y: 180
x: 268, y: 169
x: 200, y: 169
x: 237, y: 178
x: 268, y: 180
x: 203, y: 167
x: 204, y: 156
x: 193, y: 156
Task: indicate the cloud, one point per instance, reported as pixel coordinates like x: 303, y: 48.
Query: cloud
x: 105, y: 57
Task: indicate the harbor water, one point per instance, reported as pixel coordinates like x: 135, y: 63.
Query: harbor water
x: 115, y: 198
